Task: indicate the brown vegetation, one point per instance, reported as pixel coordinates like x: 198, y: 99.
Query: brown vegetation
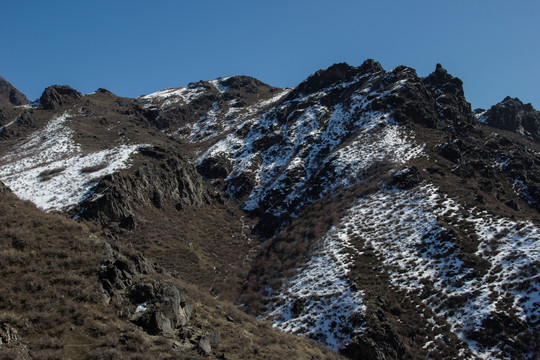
x: 50, y: 299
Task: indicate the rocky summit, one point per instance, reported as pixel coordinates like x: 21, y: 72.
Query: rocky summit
x: 364, y: 214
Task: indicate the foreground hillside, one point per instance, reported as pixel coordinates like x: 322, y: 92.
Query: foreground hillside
x: 71, y: 292
x: 371, y: 211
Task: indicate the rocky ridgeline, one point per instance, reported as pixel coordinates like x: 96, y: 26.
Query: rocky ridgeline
x: 163, y: 178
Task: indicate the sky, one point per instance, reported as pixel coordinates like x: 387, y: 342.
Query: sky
x: 135, y: 47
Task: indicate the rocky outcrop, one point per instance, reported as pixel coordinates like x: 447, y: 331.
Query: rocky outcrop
x: 511, y: 114
x: 162, y: 307
x: 435, y: 101
x: 156, y: 306
x: 27, y: 119
x: 326, y: 77
x: 9, y: 95
x: 58, y: 95
x: 8, y: 334
x: 449, y: 96
x: 162, y: 178
x: 242, y: 83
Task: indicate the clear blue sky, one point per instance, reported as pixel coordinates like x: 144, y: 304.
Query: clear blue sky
x: 137, y: 47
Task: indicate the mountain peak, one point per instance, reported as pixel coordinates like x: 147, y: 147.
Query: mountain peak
x: 326, y: 77
x: 442, y: 80
x: 370, y: 66
x: 57, y: 95
x: 10, y: 94
x: 511, y: 114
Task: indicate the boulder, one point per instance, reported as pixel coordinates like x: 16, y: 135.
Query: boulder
x: 165, y: 307
x: 204, y: 347
x: 8, y: 334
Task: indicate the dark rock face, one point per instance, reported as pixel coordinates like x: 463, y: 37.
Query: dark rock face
x: 511, y: 114
x: 334, y: 74
x: 10, y: 95
x: 448, y: 93
x: 450, y: 151
x: 435, y: 101
x: 245, y: 83
x: 214, y: 168
x: 116, y: 275
x: 171, y: 179
x: 58, y: 95
x: 26, y: 119
x: 326, y: 77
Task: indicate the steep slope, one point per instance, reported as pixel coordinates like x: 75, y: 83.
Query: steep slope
x: 12, y: 102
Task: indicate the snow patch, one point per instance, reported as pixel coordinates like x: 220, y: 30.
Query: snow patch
x: 172, y: 96
x: 52, y: 171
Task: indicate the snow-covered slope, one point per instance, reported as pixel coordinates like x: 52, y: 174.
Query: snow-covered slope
x: 319, y: 301
x: 51, y: 170
x: 325, y: 139
x: 423, y: 259
x: 404, y: 228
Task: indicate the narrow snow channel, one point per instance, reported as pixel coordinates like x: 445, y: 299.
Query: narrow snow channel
x: 319, y: 301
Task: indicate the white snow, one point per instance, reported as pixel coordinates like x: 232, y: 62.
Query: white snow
x: 481, y: 117
x: 10, y: 123
x: 141, y: 307
x: 327, y: 300
x: 207, y: 124
x: 53, y: 172
x: 217, y: 83
x: 403, y: 228
x: 171, y: 96
x: 313, y: 140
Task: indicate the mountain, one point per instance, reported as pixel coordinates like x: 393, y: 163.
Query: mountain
x: 371, y: 211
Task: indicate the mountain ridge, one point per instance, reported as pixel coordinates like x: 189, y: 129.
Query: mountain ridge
x: 354, y: 209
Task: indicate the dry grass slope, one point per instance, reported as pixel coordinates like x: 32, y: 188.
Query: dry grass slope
x: 51, y: 303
